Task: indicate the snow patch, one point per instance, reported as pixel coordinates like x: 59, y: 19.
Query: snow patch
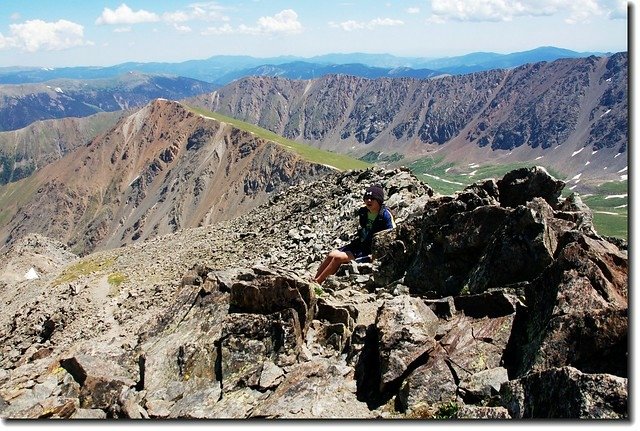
x: 577, y: 177
x: 59, y: 90
x: 577, y: 152
x: 615, y: 196
x: 623, y: 169
x: 605, y: 113
x: 539, y: 157
x: 616, y: 156
x: 623, y: 178
x: 621, y: 206
x: 31, y: 274
x: 587, y: 163
x: 443, y: 180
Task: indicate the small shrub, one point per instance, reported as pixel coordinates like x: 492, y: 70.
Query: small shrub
x: 81, y: 269
x: 447, y: 411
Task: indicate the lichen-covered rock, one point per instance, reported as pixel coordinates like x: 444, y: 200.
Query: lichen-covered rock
x: 563, y: 393
x: 406, y: 331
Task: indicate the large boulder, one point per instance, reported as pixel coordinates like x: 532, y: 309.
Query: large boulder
x: 566, y: 393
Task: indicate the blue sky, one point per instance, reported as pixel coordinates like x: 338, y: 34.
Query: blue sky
x: 85, y: 33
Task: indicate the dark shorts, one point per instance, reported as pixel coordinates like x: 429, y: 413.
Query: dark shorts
x: 356, y: 250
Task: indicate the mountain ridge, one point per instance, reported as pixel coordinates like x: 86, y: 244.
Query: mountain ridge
x: 502, y: 116
x: 159, y: 169
x: 215, y: 68
x: 21, y: 104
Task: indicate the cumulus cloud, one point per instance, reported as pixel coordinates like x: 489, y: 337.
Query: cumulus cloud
x: 412, y: 10
x: 352, y: 25
x: 285, y: 21
x: 125, y: 15
x: 507, y: 10
x: 36, y: 35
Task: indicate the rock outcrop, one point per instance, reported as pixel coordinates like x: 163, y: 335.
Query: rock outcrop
x: 501, y: 302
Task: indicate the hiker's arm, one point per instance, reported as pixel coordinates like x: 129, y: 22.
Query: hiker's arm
x: 390, y: 223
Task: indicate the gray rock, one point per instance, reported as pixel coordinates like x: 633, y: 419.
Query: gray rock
x: 209, y: 325
x: 566, y: 393
x: 406, y: 330
x: 483, y: 385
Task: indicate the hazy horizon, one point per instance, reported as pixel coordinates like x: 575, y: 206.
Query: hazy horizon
x: 40, y: 33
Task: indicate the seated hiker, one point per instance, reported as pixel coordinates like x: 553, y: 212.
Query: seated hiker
x: 374, y: 217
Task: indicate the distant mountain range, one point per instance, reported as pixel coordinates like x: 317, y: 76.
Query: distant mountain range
x: 569, y: 115
x: 222, y: 69
x: 21, y: 105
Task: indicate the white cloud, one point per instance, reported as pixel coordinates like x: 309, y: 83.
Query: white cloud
x: 352, y: 25
x: 282, y: 22
x: 384, y: 22
x: 583, y: 11
x: 125, y: 15
x: 413, y: 10
x: 224, y: 29
x: 182, y: 28
x: 616, y: 9
x: 36, y: 35
x: 285, y: 22
x: 177, y: 16
x: 507, y: 10
x: 197, y: 12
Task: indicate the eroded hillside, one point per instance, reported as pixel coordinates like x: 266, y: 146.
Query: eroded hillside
x: 568, y: 115
x: 160, y: 169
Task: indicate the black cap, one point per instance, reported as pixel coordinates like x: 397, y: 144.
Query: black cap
x: 376, y: 193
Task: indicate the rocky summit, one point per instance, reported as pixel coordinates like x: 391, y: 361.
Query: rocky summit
x: 501, y: 302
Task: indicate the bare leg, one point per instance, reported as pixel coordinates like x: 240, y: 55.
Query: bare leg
x: 323, y: 265
x: 331, y: 264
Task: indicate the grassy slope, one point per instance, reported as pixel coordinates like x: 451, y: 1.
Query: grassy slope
x: 312, y: 154
x: 610, y: 214
x: 610, y: 211
x: 609, y: 203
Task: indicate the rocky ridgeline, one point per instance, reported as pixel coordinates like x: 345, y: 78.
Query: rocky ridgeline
x: 501, y: 302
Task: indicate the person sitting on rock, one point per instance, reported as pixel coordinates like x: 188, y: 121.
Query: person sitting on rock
x: 373, y: 217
